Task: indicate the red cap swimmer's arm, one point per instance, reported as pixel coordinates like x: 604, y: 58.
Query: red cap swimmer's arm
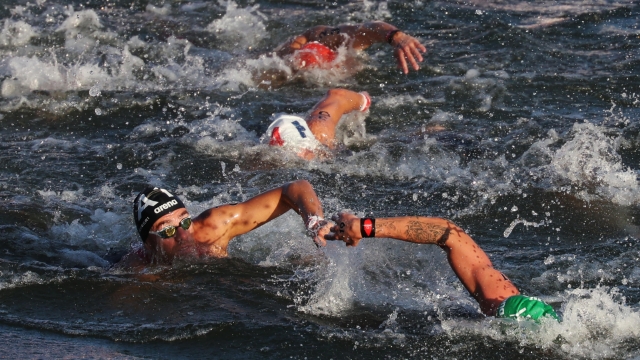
x: 407, y: 49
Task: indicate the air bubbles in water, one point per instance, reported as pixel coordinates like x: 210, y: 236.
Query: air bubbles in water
x: 94, y: 91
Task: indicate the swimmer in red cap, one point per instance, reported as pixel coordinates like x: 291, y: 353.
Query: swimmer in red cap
x: 313, y: 54
x: 496, y: 295
x: 316, y: 133
x: 326, y: 40
x: 168, y: 230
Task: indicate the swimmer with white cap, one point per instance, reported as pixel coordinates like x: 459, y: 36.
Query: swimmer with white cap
x: 316, y: 133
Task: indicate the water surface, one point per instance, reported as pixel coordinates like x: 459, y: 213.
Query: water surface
x: 538, y: 162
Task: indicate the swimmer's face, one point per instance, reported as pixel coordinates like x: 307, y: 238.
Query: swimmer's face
x: 180, y: 244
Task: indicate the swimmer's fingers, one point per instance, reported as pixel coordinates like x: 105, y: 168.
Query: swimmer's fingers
x: 402, y: 63
x: 406, y: 53
x: 352, y: 242
x: 320, y: 237
x: 408, y: 48
x: 346, y: 228
x: 335, y: 233
x: 332, y: 236
x: 417, y: 49
x: 409, y: 42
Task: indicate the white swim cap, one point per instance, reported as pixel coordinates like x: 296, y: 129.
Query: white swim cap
x: 293, y: 132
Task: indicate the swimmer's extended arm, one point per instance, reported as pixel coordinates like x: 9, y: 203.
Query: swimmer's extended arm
x: 228, y: 221
x: 361, y: 36
x: 415, y: 229
x: 469, y: 262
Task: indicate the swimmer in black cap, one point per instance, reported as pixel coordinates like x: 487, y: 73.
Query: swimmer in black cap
x: 167, y: 229
x: 496, y: 295
x: 406, y: 49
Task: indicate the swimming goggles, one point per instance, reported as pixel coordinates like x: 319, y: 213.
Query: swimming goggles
x: 170, y: 231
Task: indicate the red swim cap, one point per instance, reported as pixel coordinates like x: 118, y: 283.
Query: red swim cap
x: 313, y: 54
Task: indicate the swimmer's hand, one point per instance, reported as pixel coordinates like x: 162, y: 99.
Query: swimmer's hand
x: 407, y: 48
x: 318, y: 228
x: 346, y: 228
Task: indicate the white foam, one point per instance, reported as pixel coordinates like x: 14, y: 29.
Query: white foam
x: 333, y: 294
x: 596, y: 325
x: 193, y: 6
x: 351, y: 129
x: 23, y: 279
x: 158, y: 11
x: 120, y: 69
x: 542, y: 21
x: 551, y: 7
x: 16, y: 33
x: 373, y: 10
x: 394, y: 101
x: 589, y: 160
x: 33, y: 74
x: 526, y: 223
x: 233, y: 79
x: 240, y: 28
x: 78, y: 21
x: 385, y: 271
x: 477, y: 90
x: 220, y: 136
x: 98, y: 230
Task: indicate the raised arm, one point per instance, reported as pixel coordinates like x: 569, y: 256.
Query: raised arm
x: 326, y: 114
x: 221, y: 224
x: 468, y: 261
x: 407, y: 49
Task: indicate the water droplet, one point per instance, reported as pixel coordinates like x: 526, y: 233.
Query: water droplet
x: 119, y: 166
x: 98, y: 111
x: 94, y: 91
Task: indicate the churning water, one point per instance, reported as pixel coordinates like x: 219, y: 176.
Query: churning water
x: 538, y: 161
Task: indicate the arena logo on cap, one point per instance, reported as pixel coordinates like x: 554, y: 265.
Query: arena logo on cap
x: 165, y: 206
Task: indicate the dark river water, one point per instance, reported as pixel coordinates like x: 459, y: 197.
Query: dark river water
x: 538, y: 161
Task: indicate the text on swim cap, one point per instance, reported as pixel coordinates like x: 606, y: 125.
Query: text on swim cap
x: 300, y: 128
x: 165, y: 206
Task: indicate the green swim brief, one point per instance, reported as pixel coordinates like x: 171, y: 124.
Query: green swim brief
x: 525, y: 307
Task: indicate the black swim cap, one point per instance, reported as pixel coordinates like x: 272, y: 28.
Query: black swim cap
x: 150, y: 205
